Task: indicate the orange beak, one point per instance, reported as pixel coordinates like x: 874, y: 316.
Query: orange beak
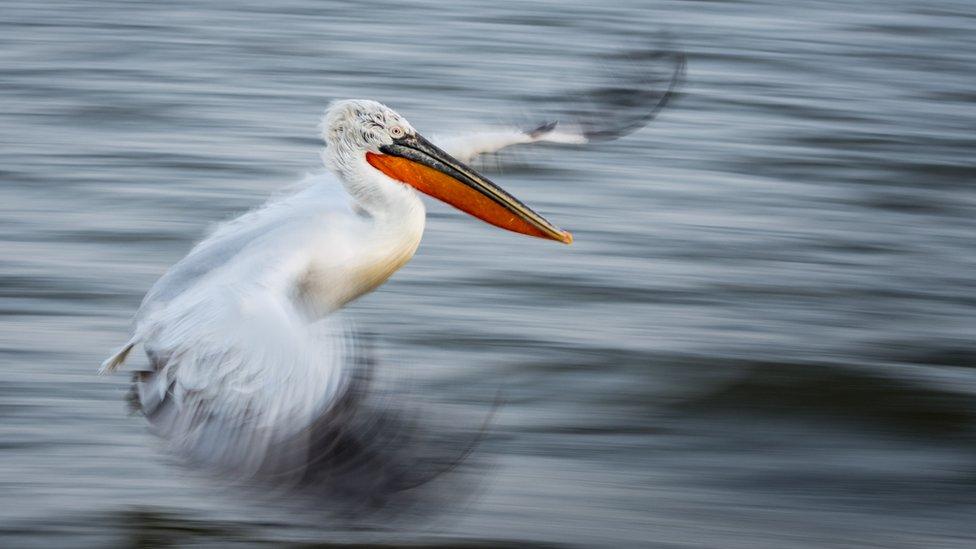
x: 419, y: 163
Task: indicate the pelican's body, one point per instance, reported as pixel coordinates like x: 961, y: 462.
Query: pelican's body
x: 242, y: 351
x: 238, y: 328
x: 246, y: 357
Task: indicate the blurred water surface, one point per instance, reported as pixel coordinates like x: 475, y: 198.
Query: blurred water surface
x: 762, y: 337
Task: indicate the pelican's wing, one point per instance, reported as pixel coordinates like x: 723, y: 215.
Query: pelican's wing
x: 243, y: 381
x: 466, y: 147
x: 242, y: 396
x: 624, y: 104
x: 238, y: 372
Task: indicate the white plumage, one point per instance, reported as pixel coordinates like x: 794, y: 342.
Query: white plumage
x: 245, y: 354
x: 251, y: 371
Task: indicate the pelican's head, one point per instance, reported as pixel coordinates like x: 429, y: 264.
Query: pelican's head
x: 366, y: 135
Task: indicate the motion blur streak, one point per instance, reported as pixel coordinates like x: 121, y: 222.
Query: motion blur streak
x: 762, y: 336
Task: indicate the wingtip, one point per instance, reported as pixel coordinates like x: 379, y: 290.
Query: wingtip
x: 603, y: 131
x: 113, y: 362
x: 542, y: 129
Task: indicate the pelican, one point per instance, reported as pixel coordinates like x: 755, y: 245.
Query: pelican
x: 245, y: 351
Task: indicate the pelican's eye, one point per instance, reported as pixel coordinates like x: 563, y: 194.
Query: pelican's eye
x: 396, y: 132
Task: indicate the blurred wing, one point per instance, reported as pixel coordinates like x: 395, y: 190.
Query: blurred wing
x: 630, y: 100
x: 468, y: 146
x: 243, y: 383
x: 240, y: 394
x: 238, y: 370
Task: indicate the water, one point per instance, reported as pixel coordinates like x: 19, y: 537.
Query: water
x: 762, y: 337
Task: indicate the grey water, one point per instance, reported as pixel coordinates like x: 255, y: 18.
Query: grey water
x: 764, y: 335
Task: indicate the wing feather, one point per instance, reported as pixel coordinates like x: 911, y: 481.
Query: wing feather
x: 243, y: 382
x: 237, y: 370
x: 645, y: 82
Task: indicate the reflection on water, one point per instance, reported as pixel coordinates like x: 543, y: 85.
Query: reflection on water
x: 762, y: 337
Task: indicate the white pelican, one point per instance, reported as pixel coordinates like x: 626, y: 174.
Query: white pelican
x: 245, y: 358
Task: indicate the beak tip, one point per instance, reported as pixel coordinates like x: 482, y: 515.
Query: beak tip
x: 567, y: 238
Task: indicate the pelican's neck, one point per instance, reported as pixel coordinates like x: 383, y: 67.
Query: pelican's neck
x: 394, y: 219
x: 371, y: 190
x: 391, y: 204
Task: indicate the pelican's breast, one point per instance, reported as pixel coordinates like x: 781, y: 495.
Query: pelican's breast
x: 378, y: 267
x: 367, y: 256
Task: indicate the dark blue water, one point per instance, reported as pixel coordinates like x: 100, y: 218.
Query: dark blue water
x: 764, y: 335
